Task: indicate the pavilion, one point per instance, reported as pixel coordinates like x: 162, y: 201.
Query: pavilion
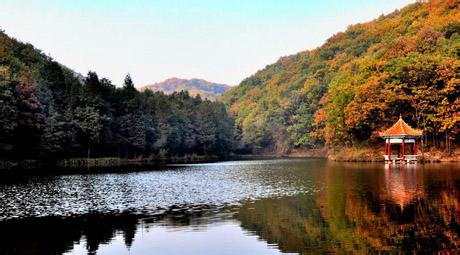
x: 401, y: 140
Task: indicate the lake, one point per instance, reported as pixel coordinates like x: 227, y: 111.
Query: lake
x: 297, y: 206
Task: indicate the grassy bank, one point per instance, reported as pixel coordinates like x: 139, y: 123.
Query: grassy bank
x: 317, y: 153
x: 347, y: 154
x: 375, y: 154
x: 354, y: 154
x: 357, y: 154
x: 101, y: 163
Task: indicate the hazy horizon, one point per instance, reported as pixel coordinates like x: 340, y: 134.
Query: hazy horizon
x: 217, y: 42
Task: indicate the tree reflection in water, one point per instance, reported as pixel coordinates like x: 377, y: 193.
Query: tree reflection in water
x: 357, y: 208
x: 409, y: 209
x: 55, y: 235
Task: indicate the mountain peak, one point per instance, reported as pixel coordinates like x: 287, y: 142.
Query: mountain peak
x: 194, y: 86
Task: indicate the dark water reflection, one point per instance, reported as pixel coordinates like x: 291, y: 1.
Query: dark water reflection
x: 278, y: 206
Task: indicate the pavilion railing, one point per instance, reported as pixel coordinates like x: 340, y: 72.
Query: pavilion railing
x: 399, y: 157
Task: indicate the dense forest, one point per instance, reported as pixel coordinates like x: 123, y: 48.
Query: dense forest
x: 358, y: 83
x: 337, y: 95
x: 49, y: 111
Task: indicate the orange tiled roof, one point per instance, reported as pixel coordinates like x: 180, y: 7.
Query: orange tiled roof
x: 401, y: 128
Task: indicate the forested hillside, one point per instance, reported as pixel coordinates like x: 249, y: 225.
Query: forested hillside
x: 46, y: 111
x: 357, y: 83
x: 194, y: 87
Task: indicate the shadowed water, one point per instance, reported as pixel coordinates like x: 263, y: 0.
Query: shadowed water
x: 241, y: 207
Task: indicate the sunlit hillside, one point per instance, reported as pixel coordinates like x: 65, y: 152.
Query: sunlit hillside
x: 357, y: 83
x: 205, y: 89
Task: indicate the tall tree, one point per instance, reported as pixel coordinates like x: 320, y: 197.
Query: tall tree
x: 29, y: 115
x: 8, y: 115
x: 89, y: 123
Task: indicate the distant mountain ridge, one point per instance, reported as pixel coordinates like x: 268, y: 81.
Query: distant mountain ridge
x: 202, y: 87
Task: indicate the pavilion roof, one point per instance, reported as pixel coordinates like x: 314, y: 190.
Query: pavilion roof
x: 401, y: 128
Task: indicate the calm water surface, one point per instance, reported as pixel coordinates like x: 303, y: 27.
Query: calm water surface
x: 297, y: 206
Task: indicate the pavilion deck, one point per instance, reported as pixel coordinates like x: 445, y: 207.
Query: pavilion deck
x: 399, y: 159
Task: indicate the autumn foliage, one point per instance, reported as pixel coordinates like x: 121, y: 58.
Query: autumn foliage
x: 358, y: 83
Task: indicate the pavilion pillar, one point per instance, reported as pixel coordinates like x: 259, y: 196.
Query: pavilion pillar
x: 415, y: 147
x: 402, y: 149
x: 389, y: 149
x: 386, y: 147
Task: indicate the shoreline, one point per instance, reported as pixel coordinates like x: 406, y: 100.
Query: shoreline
x: 372, y: 154
x: 94, y: 165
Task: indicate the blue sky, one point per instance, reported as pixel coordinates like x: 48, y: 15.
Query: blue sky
x: 221, y: 41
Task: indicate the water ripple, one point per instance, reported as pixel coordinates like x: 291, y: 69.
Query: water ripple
x: 214, y: 184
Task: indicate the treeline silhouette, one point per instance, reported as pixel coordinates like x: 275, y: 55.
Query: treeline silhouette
x: 48, y: 111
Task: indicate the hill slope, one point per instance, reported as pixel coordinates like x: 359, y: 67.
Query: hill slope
x: 357, y: 83
x: 204, y: 88
x: 48, y: 111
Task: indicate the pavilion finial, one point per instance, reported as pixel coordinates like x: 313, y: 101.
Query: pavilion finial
x: 400, y: 116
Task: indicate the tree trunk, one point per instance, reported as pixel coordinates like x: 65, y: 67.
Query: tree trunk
x: 422, y: 148
x: 447, y: 143
x: 437, y: 140
x: 424, y: 136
